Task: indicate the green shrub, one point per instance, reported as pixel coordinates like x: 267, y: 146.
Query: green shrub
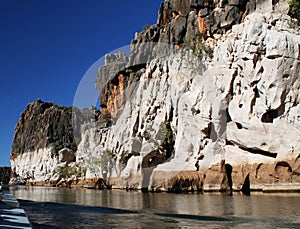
x: 197, y: 46
x: 166, y: 133
x: 73, y: 146
x: 65, y: 171
x: 169, y: 142
x: 294, y: 11
x: 56, y: 149
x: 17, y: 143
x: 81, y: 172
x: 106, y: 157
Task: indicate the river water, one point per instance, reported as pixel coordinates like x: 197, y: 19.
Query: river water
x: 84, y: 208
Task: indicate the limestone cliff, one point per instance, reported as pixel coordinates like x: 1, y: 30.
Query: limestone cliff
x: 233, y: 115
x: 207, y: 100
x: 42, y: 130
x: 44, y: 138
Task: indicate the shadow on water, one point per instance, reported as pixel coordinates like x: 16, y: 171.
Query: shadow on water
x: 73, y: 207
x: 197, y: 217
x: 61, y: 215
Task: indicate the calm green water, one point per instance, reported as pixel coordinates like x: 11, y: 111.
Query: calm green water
x: 81, y: 208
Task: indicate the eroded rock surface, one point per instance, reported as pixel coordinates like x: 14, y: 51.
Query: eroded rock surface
x: 207, y: 100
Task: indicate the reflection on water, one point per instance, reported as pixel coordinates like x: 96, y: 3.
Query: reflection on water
x: 45, y: 206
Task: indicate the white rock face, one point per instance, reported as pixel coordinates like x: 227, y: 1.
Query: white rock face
x: 266, y: 88
x: 239, y: 107
x: 90, y: 149
x: 35, y: 166
x: 242, y: 106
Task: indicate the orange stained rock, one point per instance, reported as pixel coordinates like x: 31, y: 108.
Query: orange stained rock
x: 201, y: 25
x: 121, y: 89
x: 104, y: 110
x: 115, y: 100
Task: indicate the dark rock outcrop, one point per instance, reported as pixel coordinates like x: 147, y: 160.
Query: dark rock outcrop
x: 43, y: 124
x: 181, y: 21
x: 46, y: 136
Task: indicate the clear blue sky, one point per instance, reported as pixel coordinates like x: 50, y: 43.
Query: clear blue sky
x: 46, y: 46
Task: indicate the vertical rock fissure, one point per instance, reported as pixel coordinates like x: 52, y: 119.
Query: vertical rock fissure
x: 246, y: 186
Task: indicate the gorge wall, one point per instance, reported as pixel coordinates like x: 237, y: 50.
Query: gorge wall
x: 207, y: 100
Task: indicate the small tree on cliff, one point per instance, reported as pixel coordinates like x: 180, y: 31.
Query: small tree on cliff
x: 167, y: 136
x: 101, y: 163
x: 105, y: 161
x: 197, y: 46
